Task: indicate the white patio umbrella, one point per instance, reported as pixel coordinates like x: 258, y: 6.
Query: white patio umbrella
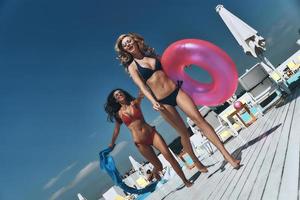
x: 245, y: 35
x: 136, y: 165
x: 248, y: 38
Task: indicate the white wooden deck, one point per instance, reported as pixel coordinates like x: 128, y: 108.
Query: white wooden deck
x: 269, y: 150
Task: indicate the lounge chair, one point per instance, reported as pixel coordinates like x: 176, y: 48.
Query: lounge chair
x: 262, y: 88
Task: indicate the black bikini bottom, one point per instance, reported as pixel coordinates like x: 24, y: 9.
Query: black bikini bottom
x: 171, y: 98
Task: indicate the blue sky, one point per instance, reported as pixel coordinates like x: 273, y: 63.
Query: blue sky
x: 57, y: 65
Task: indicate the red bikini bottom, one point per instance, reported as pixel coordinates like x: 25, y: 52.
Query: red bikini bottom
x: 149, y: 140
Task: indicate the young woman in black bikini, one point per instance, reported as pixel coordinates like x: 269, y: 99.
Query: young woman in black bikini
x: 145, y: 69
x: 122, y: 107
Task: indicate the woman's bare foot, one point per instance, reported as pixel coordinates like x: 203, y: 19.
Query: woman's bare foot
x: 234, y: 163
x: 188, y: 183
x: 201, y: 167
x: 156, y: 175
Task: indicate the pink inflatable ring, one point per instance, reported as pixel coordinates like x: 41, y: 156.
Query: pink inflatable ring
x: 212, y: 59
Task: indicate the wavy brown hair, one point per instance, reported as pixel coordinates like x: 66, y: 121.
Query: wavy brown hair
x: 125, y: 57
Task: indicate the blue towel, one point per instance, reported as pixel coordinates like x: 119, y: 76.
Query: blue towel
x: 107, y: 163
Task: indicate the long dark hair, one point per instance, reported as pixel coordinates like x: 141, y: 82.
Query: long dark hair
x: 112, y: 107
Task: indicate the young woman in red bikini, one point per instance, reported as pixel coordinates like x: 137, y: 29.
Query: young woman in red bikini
x: 121, y: 107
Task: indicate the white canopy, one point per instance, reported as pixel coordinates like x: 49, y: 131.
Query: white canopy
x: 245, y: 35
x: 136, y: 165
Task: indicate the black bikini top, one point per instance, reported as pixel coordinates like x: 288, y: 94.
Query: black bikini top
x: 146, y: 73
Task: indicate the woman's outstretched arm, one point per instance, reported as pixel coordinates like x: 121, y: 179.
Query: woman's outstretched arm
x: 115, y: 134
x: 139, y: 98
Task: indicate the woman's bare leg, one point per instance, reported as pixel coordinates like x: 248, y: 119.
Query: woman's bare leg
x: 148, y: 152
x: 187, y: 105
x: 160, y: 144
x: 170, y: 114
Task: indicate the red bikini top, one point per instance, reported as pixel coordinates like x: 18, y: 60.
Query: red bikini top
x: 128, y: 119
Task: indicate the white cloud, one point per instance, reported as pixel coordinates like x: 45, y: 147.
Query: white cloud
x: 92, y: 135
x: 83, y: 173
x: 53, y: 180
x: 58, y: 193
x: 279, y: 30
x: 270, y: 40
x: 118, y: 148
x: 157, y: 121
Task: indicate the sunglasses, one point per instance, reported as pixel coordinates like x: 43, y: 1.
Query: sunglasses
x: 127, y: 42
